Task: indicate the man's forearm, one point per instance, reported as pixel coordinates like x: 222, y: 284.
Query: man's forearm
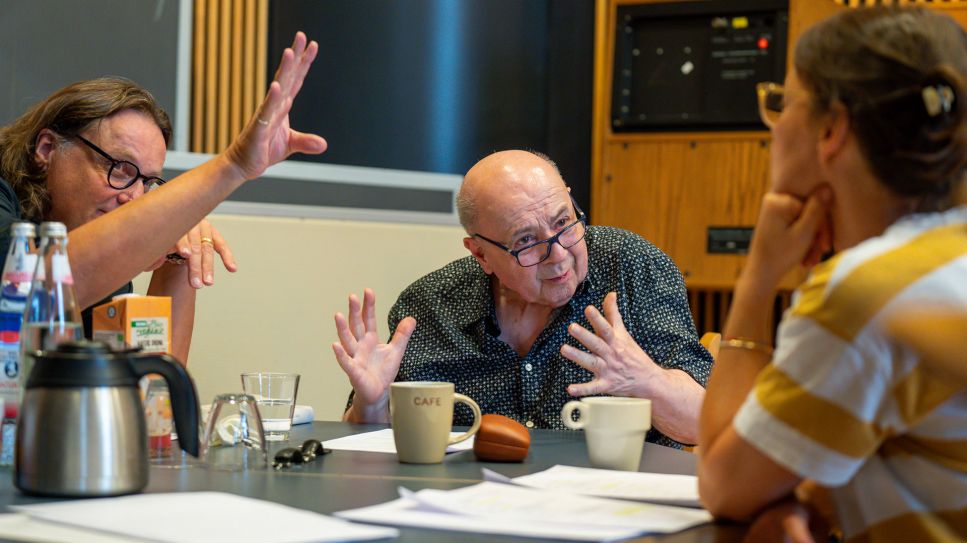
x: 676, y: 404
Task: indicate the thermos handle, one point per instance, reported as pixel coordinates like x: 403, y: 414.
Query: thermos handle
x: 184, y: 397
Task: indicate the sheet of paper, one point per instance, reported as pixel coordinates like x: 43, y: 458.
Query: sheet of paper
x: 382, y: 441
x: 515, y: 503
x: 18, y: 527
x: 202, y: 517
x: 408, y: 512
x: 650, y: 487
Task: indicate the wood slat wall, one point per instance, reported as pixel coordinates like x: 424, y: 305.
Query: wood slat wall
x: 229, y: 44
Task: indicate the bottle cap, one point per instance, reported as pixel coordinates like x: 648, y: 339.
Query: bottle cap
x: 26, y: 229
x: 52, y: 229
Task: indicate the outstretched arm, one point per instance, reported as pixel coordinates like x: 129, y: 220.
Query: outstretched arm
x: 110, y: 250
x: 735, y: 479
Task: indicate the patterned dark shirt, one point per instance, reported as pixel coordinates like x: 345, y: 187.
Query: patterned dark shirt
x: 456, y: 336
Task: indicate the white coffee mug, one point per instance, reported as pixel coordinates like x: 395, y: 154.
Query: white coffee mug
x: 614, y: 428
x: 422, y: 416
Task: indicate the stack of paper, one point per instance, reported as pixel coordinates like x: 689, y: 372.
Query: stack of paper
x: 648, y: 487
x: 551, y: 504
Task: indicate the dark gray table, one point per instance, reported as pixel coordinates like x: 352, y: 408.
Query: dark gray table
x: 348, y: 479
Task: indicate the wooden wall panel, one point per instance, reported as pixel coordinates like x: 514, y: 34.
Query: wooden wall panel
x: 670, y: 187
x: 228, y: 76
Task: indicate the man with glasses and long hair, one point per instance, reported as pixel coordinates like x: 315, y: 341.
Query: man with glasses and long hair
x: 506, y: 324
x: 90, y: 156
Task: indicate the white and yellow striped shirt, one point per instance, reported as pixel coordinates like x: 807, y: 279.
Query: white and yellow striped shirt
x: 846, y: 406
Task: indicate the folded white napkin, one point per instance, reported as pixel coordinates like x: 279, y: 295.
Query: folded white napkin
x: 303, y: 414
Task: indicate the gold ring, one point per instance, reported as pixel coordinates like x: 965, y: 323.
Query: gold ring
x: 208, y: 241
x: 261, y: 122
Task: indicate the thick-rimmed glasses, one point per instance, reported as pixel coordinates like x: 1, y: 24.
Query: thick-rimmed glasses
x: 536, y: 253
x: 771, y: 96
x: 122, y: 173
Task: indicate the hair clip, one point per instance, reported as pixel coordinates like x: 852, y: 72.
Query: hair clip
x: 937, y: 99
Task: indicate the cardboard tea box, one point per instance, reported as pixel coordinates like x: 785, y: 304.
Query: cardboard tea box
x: 131, y: 321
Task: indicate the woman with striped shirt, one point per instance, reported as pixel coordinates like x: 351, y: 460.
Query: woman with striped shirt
x: 869, y: 145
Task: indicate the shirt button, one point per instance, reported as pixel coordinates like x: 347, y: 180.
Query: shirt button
x: 529, y: 424
x: 528, y: 366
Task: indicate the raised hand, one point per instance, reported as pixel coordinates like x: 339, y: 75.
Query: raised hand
x: 619, y: 365
x: 268, y: 138
x: 370, y: 365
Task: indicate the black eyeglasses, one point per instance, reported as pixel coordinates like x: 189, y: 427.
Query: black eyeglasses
x: 123, y: 174
x: 536, y: 253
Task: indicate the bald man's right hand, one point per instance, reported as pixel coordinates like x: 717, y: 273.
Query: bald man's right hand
x: 370, y: 365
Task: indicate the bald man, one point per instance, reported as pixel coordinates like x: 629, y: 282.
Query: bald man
x: 545, y: 309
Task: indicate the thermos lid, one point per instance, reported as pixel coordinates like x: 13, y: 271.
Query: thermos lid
x: 81, y: 363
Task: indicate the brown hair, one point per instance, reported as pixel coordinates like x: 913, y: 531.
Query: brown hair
x: 67, y: 112
x: 889, y: 66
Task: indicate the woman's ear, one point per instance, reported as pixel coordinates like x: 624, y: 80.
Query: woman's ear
x: 835, y: 129
x: 44, y: 147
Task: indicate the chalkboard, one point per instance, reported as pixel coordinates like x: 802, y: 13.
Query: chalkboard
x: 48, y: 44
x: 435, y: 85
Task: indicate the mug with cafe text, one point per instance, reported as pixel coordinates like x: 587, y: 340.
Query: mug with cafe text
x: 422, y: 416
x: 614, y: 428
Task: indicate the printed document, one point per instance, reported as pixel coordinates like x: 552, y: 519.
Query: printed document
x: 514, y: 510
x: 382, y: 441
x: 201, y: 517
x: 649, y: 487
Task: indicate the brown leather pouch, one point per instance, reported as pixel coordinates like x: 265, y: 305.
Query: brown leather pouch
x: 501, y: 439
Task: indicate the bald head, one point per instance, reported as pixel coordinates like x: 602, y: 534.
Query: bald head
x: 501, y: 176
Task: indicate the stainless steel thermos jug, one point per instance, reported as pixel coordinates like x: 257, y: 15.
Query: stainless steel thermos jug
x: 82, y: 428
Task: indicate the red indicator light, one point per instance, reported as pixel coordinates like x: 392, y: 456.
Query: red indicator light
x: 763, y: 43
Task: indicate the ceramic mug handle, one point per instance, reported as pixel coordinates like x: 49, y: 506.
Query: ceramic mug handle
x: 460, y: 398
x: 569, y: 409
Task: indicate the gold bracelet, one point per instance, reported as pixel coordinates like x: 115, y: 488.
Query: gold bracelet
x: 748, y: 345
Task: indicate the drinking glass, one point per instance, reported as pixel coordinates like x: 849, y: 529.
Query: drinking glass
x: 276, y: 394
x: 234, y: 438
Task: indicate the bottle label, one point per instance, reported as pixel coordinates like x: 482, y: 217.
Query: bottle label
x: 20, y: 265
x: 17, y: 276
x: 9, y: 373
x: 12, y: 304
x: 60, y: 270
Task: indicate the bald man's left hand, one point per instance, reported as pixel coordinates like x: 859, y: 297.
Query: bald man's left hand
x: 619, y: 365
